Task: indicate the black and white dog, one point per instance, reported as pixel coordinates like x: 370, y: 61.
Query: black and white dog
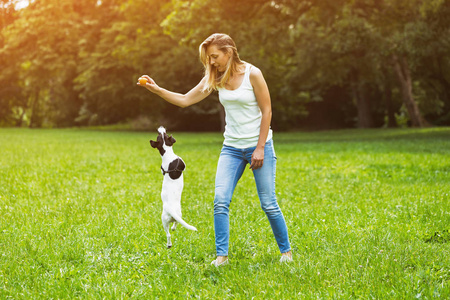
x: 172, y: 168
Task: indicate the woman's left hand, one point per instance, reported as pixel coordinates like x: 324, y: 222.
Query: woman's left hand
x: 257, y: 159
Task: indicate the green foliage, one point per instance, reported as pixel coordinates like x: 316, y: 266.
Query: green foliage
x: 76, y: 62
x: 367, y: 213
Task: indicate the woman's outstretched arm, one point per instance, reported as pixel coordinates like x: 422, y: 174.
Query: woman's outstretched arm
x: 182, y: 100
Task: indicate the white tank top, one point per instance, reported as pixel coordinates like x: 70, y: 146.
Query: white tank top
x: 242, y: 114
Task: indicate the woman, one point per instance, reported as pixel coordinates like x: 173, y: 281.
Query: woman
x: 248, y: 138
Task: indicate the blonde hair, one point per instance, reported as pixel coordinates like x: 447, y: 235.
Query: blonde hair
x: 224, y: 43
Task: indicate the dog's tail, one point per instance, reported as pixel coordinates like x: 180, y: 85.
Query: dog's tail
x: 179, y: 219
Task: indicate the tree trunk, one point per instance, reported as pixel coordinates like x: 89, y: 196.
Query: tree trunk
x: 20, y: 120
x: 390, y: 111
x: 362, y: 103
x: 34, y: 111
x: 404, y: 76
x: 391, y: 122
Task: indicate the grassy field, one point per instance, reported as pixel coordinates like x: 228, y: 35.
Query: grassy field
x: 368, y: 214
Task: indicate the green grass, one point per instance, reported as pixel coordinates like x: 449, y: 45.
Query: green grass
x: 368, y: 212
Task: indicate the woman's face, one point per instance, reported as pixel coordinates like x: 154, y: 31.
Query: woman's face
x: 217, y: 58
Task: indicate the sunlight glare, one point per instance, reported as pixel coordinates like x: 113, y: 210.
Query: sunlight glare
x: 22, y: 4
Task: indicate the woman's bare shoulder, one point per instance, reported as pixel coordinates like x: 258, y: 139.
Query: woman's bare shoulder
x: 255, y: 73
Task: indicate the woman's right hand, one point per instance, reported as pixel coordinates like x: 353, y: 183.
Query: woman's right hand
x: 182, y: 100
x: 149, y: 85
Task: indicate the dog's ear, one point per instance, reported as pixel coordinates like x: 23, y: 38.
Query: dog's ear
x: 170, y: 141
x: 153, y: 144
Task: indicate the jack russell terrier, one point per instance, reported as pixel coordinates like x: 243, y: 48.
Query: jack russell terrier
x: 172, y: 168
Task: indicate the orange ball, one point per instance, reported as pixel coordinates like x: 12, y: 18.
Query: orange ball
x: 142, y: 81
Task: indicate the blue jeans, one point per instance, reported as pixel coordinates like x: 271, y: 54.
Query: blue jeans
x: 231, y: 166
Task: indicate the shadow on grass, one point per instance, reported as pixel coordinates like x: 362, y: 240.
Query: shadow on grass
x: 366, y: 135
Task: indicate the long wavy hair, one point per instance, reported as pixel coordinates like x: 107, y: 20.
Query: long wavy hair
x: 216, y: 79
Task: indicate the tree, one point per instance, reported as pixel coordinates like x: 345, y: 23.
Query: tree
x: 7, y: 92
x: 399, y: 23
x: 41, y: 48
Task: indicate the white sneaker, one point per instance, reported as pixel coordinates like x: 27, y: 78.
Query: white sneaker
x: 216, y: 264
x: 286, y: 259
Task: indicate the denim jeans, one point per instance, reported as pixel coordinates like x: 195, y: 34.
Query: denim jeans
x: 231, y: 166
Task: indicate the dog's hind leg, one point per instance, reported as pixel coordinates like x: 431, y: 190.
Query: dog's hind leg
x: 166, y: 224
x: 169, y: 242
